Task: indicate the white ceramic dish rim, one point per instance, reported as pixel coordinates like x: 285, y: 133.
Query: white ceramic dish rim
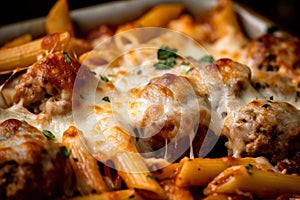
x: 118, y: 12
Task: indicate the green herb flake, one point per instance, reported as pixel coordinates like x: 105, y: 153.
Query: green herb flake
x: 188, y: 71
x: 271, y: 98
x: 67, y: 58
x: 207, y: 59
x: 152, y: 177
x: 104, y: 78
x: 111, y: 75
x: 162, y: 66
x: 185, y: 63
x: 106, y: 98
x: 92, y: 72
x: 48, y: 134
x: 24, y: 121
x: 81, y: 96
x: 249, y: 168
x: 164, y: 52
x: 65, y: 152
x: 139, y: 72
x: 167, y: 58
x: 166, y: 64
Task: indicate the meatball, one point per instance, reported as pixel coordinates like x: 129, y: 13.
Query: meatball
x: 229, y: 85
x: 263, y: 128
x: 275, y: 64
x: 47, y: 85
x: 31, y: 166
x: 167, y: 111
x: 273, y: 53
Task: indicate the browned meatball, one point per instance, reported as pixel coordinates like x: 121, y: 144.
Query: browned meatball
x: 275, y: 54
x: 47, y: 86
x: 275, y: 65
x: 263, y: 128
x: 229, y: 85
x: 167, y: 111
x: 31, y: 166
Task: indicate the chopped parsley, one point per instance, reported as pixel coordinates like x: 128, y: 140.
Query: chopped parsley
x: 185, y: 63
x: 187, y: 71
x: 249, y: 168
x: 139, y: 72
x: 207, y: 59
x: 106, y: 98
x: 152, y: 177
x: 24, y: 121
x: 81, y: 96
x: 104, y: 78
x: 92, y: 72
x: 164, y: 52
x: 48, y: 134
x: 271, y: 98
x: 67, y: 58
x: 167, y: 58
x: 111, y: 75
x: 65, y: 152
x: 166, y: 64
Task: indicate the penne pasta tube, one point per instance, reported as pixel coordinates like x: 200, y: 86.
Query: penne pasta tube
x: 59, y: 19
x: 200, y: 171
x: 157, y: 16
x: 167, y: 172
x: 249, y: 179
x: 136, y: 175
x: 88, y: 177
x: 216, y: 196
x: 225, y: 10
x: 112, y: 142
x: 26, y: 54
x: 120, y: 195
x: 176, y: 193
x: 78, y: 46
x: 18, y: 41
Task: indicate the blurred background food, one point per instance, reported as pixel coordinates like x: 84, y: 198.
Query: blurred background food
x: 285, y: 13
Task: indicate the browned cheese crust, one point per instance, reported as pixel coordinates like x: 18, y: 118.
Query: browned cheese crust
x: 275, y: 64
x: 31, y: 166
x: 47, y: 85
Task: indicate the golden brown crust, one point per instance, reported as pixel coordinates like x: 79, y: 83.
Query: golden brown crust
x: 47, y: 86
x: 31, y: 166
x: 264, y: 128
x: 275, y: 64
x: 271, y: 53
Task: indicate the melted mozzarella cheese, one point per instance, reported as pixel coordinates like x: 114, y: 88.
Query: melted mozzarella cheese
x: 132, y: 69
x: 57, y: 125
